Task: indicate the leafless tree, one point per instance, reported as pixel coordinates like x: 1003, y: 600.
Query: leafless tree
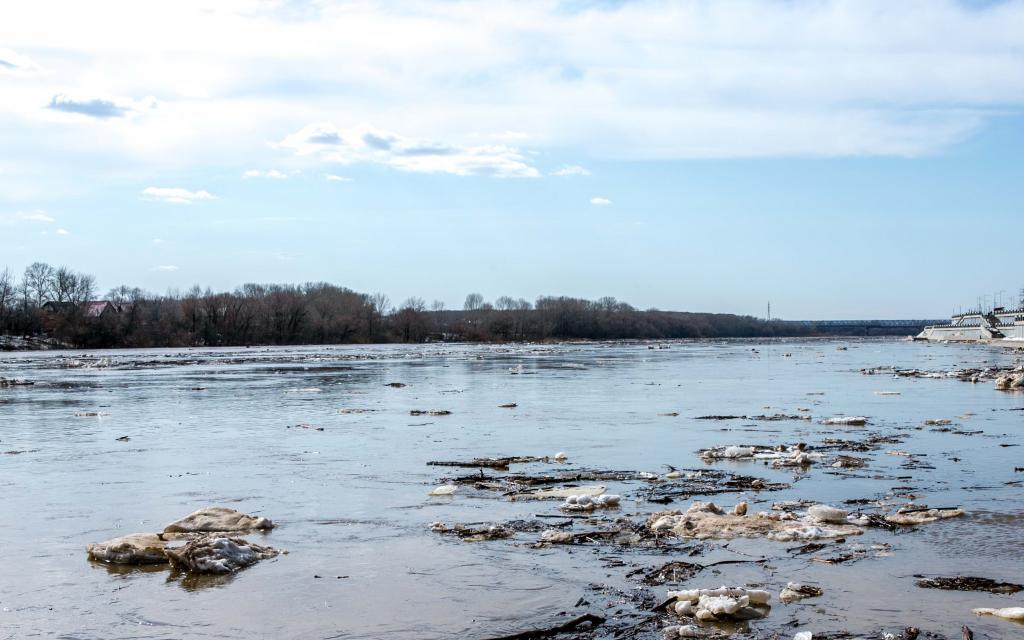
x: 72, y: 288
x: 474, y: 302
x: 7, y: 290
x: 38, y: 283
x: 505, y: 303
x: 380, y: 306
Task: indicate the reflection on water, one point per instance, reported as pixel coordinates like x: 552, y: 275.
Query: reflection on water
x: 197, y: 582
x: 189, y: 428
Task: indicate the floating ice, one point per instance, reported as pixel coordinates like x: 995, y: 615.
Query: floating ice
x: 584, y: 502
x: 705, y: 520
x: 554, y: 536
x: 681, y: 631
x: 1010, y: 381
x: 218, y: 554
x: 217, y: 519
x: 563, y: 492
x: 795, y: 591
x: 720, y: 604
x: 846, y: 421
x: 826, y: 514
x: 922, y: 515
x: 135, y: 548
x: 1007, y: 613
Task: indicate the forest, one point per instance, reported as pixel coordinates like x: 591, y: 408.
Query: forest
x: 64, y: 306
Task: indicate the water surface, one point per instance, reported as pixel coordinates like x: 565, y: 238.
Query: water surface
x: 218, y: 426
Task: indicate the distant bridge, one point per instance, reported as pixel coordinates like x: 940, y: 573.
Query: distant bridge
x: 867, y: 327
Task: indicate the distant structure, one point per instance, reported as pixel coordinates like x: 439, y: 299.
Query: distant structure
x: 979, y: 326
x: 89, y: 309
x: 862, y: 327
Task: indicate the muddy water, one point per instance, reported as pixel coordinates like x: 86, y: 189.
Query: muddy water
x: 212, y: 427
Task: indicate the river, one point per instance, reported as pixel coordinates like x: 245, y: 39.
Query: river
x: 350, y: 493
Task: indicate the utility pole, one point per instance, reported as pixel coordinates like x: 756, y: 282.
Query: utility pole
x: 769, y: 311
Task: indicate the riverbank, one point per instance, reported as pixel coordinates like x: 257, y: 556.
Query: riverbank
x: 31, y: 343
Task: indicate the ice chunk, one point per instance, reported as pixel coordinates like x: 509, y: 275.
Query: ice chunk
x: 563, y: 492
x: 589, y: 503
x: 712, y: 607
x: 135, y: 548
x: 217, y: 554
x: 795, y: 591
x: 826, y: 514
x: 217, y: 519
x: 1007, y: 613
x: 554, y: 536
x: 846, y: 421
x: 910, y: 517
x: 738, y: 452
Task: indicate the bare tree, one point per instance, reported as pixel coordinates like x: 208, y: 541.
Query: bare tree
x: 410, y: 321
x: 437, y: 305
x: 380, y: 306
x: 7, y: 290
x: 72, y: 288
x: 415, y: 303
x: 505, y: 303
x: 38, y: 283
x: 474, y: 301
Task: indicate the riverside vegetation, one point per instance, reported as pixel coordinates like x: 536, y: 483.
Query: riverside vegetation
x: 53, y: 302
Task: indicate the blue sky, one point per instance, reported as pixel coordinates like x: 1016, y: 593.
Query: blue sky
x: 839, y: 158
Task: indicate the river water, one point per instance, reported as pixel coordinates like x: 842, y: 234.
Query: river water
x: 219, y: 427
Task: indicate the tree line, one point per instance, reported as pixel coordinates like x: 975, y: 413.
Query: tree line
x: 55, y: 302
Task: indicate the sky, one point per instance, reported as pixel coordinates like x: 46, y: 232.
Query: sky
x: 836, y: 158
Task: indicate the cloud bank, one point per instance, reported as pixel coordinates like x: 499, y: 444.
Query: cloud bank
x: 499, y: 88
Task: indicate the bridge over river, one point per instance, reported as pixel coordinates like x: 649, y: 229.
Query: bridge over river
x: 867, y: 327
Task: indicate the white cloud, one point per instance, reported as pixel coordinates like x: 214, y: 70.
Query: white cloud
x: 365, y: 143
x: 571, y: 170
x: 270, y: 173
x: 63, y: 232
x: 100, y: 108
x: 330, y: 177
x: 165, y: 267
x: 14, y: 64
x: 598, y: 200
x: 26, y: 216
x: 157, y: 241
x: 175, y: 195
